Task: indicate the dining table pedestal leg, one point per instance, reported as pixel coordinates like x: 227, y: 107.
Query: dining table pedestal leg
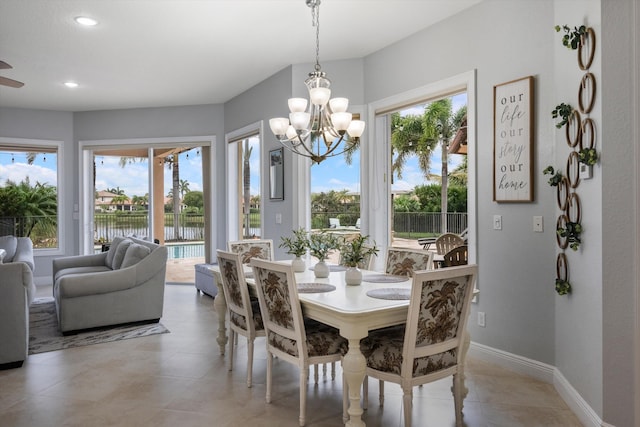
x: 220, y: 306
x: 354, y: 367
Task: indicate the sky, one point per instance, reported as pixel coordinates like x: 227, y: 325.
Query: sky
x: 332, y: 174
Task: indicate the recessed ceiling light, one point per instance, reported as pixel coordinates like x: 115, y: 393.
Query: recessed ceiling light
x: 86, y: 21
x: 71, y: 84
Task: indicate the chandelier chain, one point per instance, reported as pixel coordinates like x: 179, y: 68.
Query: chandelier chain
x: 315, y: 17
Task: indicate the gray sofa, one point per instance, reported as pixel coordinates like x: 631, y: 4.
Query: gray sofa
x: 16, y: 294
x: 122, y: 285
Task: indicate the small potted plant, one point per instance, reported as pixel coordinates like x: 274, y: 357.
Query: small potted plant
x: 562, y: 111
x: 296, y: 245
x: 353, y: 253
x: 320, y: 244
x: 572, y: 37
x: 563, y: 287
x: 588, y: 156
x: 556, y: 177
x: 572, y: 233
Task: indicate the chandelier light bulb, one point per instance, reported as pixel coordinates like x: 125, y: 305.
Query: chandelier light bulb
x: 279, y: 126
x: 291, y: 133
x: 319, y: 95
x: 356, y: 128
x: 299, y: 120
x: 297, y: 105
x: 341, y: 121
x: 338, y: 105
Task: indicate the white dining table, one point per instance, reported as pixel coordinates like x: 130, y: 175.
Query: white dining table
x: 349, y: 309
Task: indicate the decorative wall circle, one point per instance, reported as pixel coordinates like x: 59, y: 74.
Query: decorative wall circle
x: 587, y: 89
x: 561, y: 267
x: 588, y: 138
x: 562, y: 194
x: 573, y: 129
x: 563, y: 242
x: 573, y: 169
x: 587, y: 49
x: 573, y: 211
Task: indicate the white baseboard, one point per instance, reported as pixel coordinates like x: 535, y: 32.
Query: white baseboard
x: 543, y: 372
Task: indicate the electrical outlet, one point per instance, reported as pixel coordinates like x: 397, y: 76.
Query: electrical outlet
x: 537, y: 224
x: 497, y: 222
x: 481, y: 319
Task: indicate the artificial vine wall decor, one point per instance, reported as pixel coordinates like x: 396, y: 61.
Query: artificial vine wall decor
x: 580, y: 134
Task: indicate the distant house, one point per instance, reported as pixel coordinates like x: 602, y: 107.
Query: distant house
x: 104, y: 202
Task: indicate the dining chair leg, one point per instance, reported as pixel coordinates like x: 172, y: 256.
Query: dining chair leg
x: 365, y: 393
x: 315, y: 373
x: 333, y: 371
x: 231, y: 341
x: 458, y: 398
x: 345, y: 399
x: 250, y: 362
x: 407, y: 403
x: 381, y: 388
x: 303, y: 393
x: 269, y: 369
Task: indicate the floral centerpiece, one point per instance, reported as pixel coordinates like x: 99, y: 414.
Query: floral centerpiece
x: 353, y: 254
x: 296, y: 245
x: 320, y: 245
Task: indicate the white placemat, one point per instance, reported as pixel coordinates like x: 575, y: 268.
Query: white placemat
x: 384, y: 278
x: 390, y: 293
x: 311, y: 288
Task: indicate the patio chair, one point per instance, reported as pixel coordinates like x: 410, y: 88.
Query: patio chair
x: 430, y: 346
x: 403, y: 262
x: 447, y: 241
x: 244, y: 313
x: 334, y: 223
x: 302, y: 343
x: 456, y: 256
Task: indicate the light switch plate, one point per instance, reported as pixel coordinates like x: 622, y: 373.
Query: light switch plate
x: 497, y: 222
x: 278, y: 218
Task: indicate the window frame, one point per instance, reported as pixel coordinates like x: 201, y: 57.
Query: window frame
x: 49, y: 145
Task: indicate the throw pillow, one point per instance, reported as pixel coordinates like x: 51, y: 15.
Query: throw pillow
x: 135, y: 253
x: 9, y: 244
x: 112, y: 250
x: 121, y: 250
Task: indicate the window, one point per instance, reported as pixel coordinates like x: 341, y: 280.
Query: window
x: 29, y: 192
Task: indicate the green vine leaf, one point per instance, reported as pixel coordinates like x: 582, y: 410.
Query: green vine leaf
x: 563, y: 287
x: 571, y: 38
x: 562, y: 111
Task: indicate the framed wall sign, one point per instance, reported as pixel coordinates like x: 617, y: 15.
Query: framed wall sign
x: 513, y: 141
x: 276, y: 174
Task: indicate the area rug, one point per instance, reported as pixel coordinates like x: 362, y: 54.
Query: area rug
x: 44, y: 334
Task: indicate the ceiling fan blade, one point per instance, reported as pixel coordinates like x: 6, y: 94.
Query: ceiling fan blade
x: 4, y: 66
x: 10, y: 82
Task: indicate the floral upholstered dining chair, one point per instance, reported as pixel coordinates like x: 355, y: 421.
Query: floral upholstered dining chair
x: 403, y: 262
x: 431, y: 345
x: 252, y: 248
x: 302, y: 343
x: 244, y: 312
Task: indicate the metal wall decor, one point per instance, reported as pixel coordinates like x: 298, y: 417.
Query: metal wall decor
x: 580, y: 135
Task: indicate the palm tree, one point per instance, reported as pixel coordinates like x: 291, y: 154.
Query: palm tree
x: 120, y: 199
x: 420, y: 135
x: 184, y: 188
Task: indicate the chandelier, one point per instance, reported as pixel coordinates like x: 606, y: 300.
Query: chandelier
x: 318, y: 131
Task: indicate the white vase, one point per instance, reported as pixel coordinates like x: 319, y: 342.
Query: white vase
x: 353, y: 276
x: 321, y: 270
x: 298, y: 265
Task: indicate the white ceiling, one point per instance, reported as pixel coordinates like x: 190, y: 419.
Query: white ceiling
x: 149, y: 53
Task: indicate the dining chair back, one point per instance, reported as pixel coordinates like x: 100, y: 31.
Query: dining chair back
x: 289, y: 337
x: 244, y: 312
x: 431, y: 345
x: 403, y: 262
x: 456, y: 256
x: 447, y: 241
x: 252, y: 248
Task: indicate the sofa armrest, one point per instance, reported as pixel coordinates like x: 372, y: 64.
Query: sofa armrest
x: 92, y: 260
x: 17, y: 275
x: 78, y: 285
x: 24, y: 252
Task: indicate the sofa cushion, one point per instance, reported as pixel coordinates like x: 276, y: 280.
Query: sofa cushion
x: 135, y: 253
x: 9, y: 244
x: 121, y: 250
x: 112, y: 250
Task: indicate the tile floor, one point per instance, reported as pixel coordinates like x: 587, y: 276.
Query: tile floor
x: 180, y: 379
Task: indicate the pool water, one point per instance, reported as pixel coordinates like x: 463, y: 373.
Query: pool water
x: 185, y: 250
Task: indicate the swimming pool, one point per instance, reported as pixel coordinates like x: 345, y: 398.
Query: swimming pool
x: 185, y: 250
